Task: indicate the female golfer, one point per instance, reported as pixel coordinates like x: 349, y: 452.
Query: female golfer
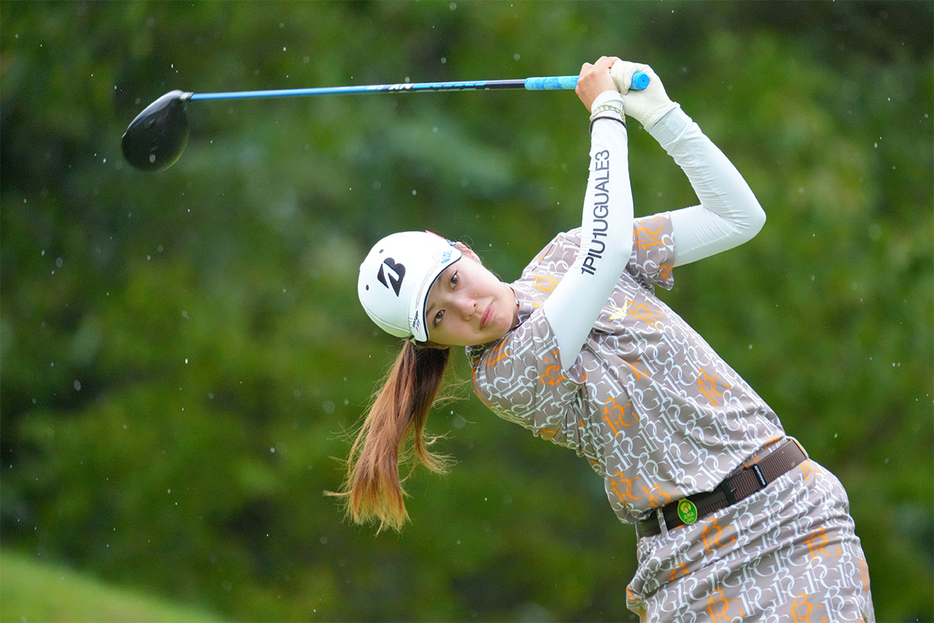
x: 734, y: 521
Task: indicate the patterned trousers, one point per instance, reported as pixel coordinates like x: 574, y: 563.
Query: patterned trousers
x: 786, y: 554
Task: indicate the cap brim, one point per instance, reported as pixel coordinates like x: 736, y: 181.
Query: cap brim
x: 420, y: 302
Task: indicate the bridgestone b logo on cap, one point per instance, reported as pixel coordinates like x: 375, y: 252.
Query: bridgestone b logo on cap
x: 395, y: 274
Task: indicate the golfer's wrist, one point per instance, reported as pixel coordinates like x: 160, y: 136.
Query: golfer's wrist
x: 608, y: 105
x: 670, y: 126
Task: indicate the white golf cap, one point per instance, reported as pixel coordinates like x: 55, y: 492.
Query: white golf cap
x: 395, y: 279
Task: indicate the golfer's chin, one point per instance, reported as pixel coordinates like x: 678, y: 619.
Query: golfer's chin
x: 499, y: 324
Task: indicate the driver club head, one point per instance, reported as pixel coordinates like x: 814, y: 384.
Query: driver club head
x: 156, y: 138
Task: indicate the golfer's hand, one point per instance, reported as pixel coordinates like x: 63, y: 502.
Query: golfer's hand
x: 646, y: 106
x: 595, y: 79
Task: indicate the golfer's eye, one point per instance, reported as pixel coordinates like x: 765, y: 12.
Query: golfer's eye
x: 439, y: 317
x: 454, y: 280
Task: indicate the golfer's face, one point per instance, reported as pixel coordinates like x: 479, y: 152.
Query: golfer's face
x: 468, y: 305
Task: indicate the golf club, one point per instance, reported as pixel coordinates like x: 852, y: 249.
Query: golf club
x: 156, y: 138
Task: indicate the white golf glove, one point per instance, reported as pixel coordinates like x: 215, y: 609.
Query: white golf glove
x: 646, y: 106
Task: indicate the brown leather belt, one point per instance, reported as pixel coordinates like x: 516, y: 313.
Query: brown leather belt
x: 749, y: 480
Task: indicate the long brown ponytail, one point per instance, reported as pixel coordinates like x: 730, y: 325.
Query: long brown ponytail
x: 373, y: 488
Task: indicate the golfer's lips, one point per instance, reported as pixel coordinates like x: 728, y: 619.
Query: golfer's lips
x: 487, y: 316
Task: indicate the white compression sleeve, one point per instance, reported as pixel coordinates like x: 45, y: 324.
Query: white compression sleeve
x: 729, y: 214
x: 606, y: 237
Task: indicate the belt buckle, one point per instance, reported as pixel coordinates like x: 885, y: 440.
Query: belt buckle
x: 662, y: 525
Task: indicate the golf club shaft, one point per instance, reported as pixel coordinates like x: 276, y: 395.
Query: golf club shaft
x: 552, y: 83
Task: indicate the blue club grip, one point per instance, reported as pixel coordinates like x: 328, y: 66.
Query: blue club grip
x: 553, y: 83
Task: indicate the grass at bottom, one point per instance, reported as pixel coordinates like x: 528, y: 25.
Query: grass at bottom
x: 31, y: 591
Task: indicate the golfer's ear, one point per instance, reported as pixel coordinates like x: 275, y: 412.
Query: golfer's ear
x: 467, y: 251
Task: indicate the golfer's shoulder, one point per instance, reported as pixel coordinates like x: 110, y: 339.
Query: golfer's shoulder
x: 557, y: 255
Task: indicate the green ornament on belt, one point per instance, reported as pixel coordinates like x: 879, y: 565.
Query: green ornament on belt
x: 687, y: 511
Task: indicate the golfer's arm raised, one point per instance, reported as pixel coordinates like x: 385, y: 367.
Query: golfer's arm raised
x: 728, y: 214
x: 606, y: 233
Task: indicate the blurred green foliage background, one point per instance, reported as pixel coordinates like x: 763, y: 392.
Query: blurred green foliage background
x: 183, y: 353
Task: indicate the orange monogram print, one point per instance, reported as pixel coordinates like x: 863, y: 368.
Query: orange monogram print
x: 808, y: 468
x: 712, y: 535
x: 642, y: 312
x: 646, y: 237
x: 657, y: 497
x: 679, y: 571
x: 497, y: 353
x: 801, y: 610
x: 639, y: 373
x: 708, y: 387
x: 719, y: 608
x: 625, y: 495
x: 553, y: 373
x: 617, y: 416
x: 816, y: 543
x: 545, y: 283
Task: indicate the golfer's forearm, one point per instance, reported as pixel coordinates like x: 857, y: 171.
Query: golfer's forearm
x: 729, y: 213
x: 606, y: 239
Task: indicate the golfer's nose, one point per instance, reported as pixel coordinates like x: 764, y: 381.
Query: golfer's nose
x: 465, y: 306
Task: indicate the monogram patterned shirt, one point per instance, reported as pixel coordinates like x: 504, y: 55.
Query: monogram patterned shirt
x: 657, y: 413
